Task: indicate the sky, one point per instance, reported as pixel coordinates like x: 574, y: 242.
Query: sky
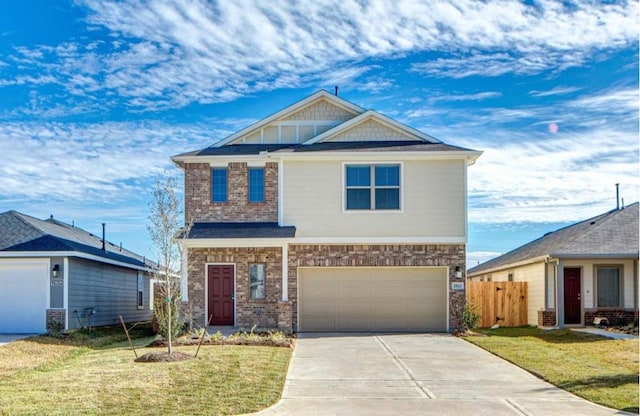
x: 96, y: 95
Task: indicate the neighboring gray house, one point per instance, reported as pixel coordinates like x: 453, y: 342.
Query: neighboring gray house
x: 577, y: 273
x: 52, y: 271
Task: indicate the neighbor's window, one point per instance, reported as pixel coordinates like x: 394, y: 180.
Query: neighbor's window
x: 140, y: 290
x: 257, y: 281
x: 373, y: 187
x: 256, y: 184
x: 510, y: 277
x: 219, y: 185
x: 608, y: 280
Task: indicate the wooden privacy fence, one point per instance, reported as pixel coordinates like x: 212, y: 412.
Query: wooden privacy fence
x: 503, y: 303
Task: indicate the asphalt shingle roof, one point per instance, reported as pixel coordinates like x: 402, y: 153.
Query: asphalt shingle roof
x: 240, y: 230
x: 612, y: 234
x: 362, y: 146
x: 20, y: 232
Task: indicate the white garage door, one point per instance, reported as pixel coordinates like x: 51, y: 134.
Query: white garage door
x: 23, y: 296
x: 372, y: 299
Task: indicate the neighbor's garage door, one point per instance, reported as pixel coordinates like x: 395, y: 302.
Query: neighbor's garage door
x: 372, y: 299
x: 24, y: 287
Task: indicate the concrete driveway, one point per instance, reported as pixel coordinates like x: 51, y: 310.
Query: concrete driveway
x: 7, y: 338
x: 376, y: 374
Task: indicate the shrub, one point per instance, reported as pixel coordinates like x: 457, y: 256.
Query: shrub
x: 160, y: 311
x: 470, y: 316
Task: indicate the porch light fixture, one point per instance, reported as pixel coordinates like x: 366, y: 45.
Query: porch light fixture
x: 55, y: 270
x: 458, y: 273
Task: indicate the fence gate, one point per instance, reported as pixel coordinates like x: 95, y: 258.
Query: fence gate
x: 503, y: 303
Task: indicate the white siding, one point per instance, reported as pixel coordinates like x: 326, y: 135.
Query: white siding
x: 588, y: 279
x: 432, y: 201
x: 551, y: 286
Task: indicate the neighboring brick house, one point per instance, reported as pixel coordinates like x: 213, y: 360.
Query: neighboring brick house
x: 577, y: 273
x: 54, y: 274
x: 326, y: 217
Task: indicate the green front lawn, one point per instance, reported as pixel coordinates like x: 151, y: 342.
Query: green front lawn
x: 58, y: 377
x: 601, y: 370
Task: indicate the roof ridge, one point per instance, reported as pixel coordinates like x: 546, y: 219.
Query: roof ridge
x: 20, y: 216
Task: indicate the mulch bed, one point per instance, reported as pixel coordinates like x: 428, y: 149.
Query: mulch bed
x: 284, y: 343
x: 163, y: 357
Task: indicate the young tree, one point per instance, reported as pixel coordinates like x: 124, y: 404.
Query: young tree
x: 164, y: 229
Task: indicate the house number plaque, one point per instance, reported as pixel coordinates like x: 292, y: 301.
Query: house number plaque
x: 457, y: 285
x: 56, y: 282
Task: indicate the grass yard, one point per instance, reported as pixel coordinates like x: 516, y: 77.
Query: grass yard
x: 601, y: 370
x: 98, y: 376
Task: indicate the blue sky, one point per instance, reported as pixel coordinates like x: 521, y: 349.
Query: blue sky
x: 96, y: 95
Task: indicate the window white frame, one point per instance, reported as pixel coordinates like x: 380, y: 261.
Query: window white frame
x: 620, y: 296
x: 373, y: 164
x: 140, y: 290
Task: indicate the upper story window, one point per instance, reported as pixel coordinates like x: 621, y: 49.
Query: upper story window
x: 373, y: 187
x: 256, y: 184
x: 219, y: 185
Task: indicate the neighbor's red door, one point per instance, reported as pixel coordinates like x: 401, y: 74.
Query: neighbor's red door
x: 220, y: 295
x: 572, y: 302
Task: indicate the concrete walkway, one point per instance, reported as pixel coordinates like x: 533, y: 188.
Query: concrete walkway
x: 7, y: 338
x: 604, y: 333
x: 409, y: 374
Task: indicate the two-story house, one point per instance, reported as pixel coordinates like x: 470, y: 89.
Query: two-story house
x: 326, y: 217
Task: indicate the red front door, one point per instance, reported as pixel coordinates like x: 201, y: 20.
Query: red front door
x: 220, y: 295
x: 572, y: 302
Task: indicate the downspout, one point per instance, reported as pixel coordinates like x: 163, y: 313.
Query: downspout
x: 550, y: 260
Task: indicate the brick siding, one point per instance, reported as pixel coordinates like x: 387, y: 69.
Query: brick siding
x: 200, y: 208
x: 57, y: 316
x: 546, y: 318
x: 262, y: 313
x: 274, y: 313
x: 377, y: 256
x: 614, y: 316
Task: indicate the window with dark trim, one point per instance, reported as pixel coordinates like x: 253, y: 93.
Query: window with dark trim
x: 256, y: 184
x: 373, y: 187
x: 609, y: 286
x: 257, y: 281
x: 219, y: 185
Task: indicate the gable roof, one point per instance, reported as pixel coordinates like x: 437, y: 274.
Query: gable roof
x: 409, y: 132
x: 305, y: 102
x: 20, y: 233
x: 613, y: 234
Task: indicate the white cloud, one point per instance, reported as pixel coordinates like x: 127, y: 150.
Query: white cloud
x: 554, y: 91
x: 90, y: 163
x: 176, y: 52
x: 552, y: 180
x: 480, y: 96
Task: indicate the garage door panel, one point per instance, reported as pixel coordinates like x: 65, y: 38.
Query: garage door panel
x: 23, y: 296
x: 372, y: 299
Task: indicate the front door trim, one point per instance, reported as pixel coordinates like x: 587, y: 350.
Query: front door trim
x: 206, y: 290
x: 581, y: 301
